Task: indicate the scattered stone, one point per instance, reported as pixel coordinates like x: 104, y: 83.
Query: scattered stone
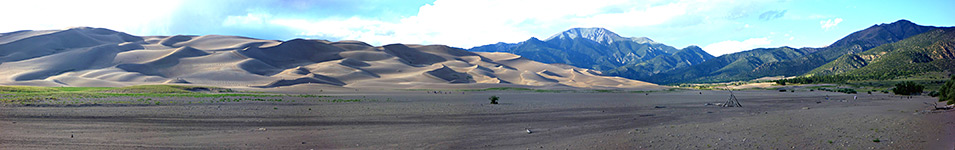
x: 262, y: 129
x: 805, y: 107
x: 529, y: 131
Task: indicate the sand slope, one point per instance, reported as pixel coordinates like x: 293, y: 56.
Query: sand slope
x: 102, y: 57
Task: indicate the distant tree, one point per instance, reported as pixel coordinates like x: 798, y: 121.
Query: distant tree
x: 908, y: 88
x: 947, y: 92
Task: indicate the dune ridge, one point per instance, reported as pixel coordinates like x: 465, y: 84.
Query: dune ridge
x: 102, y: 57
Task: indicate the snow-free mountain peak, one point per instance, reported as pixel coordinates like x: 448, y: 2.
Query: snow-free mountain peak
x: 599, y: 35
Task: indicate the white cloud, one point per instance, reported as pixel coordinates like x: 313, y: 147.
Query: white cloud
x: 347, y: 29
x: 451, y: 22
x: 121, y: 15
x: 730, y: 46
x: 250, y: 19
x: 473, y: 23
x: 827, y: 24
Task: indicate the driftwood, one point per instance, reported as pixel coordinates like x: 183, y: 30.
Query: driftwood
x: 935, y: 105
x: 732, y: 101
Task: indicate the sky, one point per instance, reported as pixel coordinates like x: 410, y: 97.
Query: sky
x: 718, y: 26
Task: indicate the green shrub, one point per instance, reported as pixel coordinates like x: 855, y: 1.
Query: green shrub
x: 847, y: 91
x: 947, y: 92
x: 908, y: 88
x: 493, y: 99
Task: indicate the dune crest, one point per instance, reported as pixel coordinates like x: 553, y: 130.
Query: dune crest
x: 102, y: 57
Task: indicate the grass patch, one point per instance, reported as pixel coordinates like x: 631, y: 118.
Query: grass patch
x: 145, y: 94
x: 24, y: 89
x: 340, y: 100
x: 167, y: 89
x: 79, y: 89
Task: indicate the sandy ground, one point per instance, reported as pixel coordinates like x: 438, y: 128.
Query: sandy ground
x: 419, y: 120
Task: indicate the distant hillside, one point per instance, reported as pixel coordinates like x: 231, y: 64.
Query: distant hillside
x: 856, y: 42
x: 786, y: 61
x: 932, y: 51
x: 685, y: 57
x: 729, y: 67
x: 496, y: 47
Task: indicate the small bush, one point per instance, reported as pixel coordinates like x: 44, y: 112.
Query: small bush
x: 847, y: 91
x: 493, y: 99
x: 933, y: 94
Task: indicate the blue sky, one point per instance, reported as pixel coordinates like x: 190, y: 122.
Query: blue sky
x: 719, y: 26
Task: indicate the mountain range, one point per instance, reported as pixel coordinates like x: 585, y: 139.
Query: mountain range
x: 658, y: 64
x: 97, y: 57
x: 601, y: 49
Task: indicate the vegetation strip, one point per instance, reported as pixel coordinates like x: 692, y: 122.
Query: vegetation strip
x: 140, y: 94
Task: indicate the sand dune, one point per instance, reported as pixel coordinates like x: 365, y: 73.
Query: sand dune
x: 102, y: 57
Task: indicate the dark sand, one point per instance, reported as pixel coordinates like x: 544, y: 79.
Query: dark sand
x: 416, y: 120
